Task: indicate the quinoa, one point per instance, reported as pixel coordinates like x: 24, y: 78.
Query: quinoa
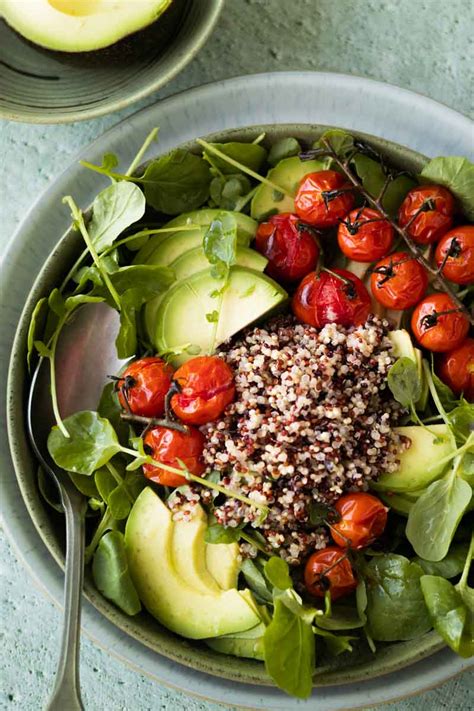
x: 312, y: 419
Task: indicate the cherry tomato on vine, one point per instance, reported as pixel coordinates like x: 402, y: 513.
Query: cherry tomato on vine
x: 364, y: 235
x: 206, y: 388
x: 323, y: 198
x: 329, y: 568
x: 168, y: 446
x: 143, y: 386
x: 362, y: 520
x: 438, y: 324
x: 336, y: 297
x: 291, y: 250
x: 455, y: 252
x: 398, y: 281
x: 456, y: 369
x: 427, y: 213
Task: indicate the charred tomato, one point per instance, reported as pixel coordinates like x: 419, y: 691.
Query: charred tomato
x: 289, y: 246
x: 398, y: 281
x: 438, y: 324
x: 364, y: 235
x: 143, y: 386
x: 169, y: 447
x: 206, y: 387
x: 455, y: 255
x: 323, y: 198
x: 329, y: 569
x: 362, y: 520
x: 427, y: 213
x: 456, y: 369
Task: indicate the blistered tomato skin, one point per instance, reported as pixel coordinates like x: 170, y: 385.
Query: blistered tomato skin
x: 168, y: 446
x: 362, y: 520
x: 428, y: 225
x: 364, y: 235
x: 456, y: 369
x: 291, y: 250
x: 143, y: 386
x: 329, y: 567
x: 398, y: 281
x: 318, y: 204
x: 455, y: 252
x: 435, y: 329
x: 206, y: 388
x: 324, y: 298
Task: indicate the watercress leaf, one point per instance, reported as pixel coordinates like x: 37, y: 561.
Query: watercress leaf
x: 341, y: 142
x: 445, y: 394
x: 336, y: 644
x: 85, y: 484
x: 395, y: 605
x: 72, y: 302
x: 404, y: 381
x: 135, y: 483
x: 362, y: 600
x: 448, y: 613
x: 126, y: 342
x: 341, y: 618
x: 91, y: 443
x: 111, y: 573
x: 450, y: 566
x: 109, y: 408
x: 319, y: 513
x: 36, y: 326
x: 177, y: 182
x: 105, y: 483
x: 151, y: 279
x: 42, y: 349
x: 220, y: 240
x: 434, y: 517
x: 56, y: 302
x: 466, y: 470
x: 49, y: 490
x: 283, y: 148
x: 373, y: 178
x: 289, y: 650
x: 456, y: 174
x: 277, y: 572
x: 216, y: 533
x: 462, y: 420
x: 113, y: 210
x: 294, y: 603
x: 256, y: 581
x: 109, y: 161
x: 212, y: 316
x: 119, y: 503
x: 252, y: 155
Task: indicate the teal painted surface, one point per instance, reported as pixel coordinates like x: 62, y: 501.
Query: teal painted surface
x: 423, y: 45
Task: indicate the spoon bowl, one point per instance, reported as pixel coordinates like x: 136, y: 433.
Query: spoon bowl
x: 85, y: 356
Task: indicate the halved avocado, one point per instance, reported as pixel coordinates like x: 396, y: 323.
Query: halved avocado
x: 189, y: 552
x: 185, y: 314
x: 246, y: 226
x: 223, y: 562
x: 79, y: 25
x: 189, y: 612
x: 420, y: 463
x: 287, y: 175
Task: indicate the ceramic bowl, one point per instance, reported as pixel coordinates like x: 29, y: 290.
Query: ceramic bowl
x: 41, y: 86
x: 49, y: 524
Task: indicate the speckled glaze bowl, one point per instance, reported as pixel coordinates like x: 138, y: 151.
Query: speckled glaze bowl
x: 42, y: 86
x: 348, y: 668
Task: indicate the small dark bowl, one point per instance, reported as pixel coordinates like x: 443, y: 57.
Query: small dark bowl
x: 42, y: 86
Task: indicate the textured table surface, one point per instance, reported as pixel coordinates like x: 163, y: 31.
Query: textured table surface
x: 425, y: 46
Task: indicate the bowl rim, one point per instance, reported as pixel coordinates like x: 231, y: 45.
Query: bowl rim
x: 17, y: 377
x: 202, y: 31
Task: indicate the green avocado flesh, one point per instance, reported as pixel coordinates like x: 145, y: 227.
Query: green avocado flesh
x: 419, y: 464
x: 79, y: 25
x: 247, y: 644
x: 246, y: 226
x: 157, y: 567
x: 182, y: 314
x: 287, y: 175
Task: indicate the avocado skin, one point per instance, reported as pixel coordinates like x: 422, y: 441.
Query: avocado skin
x: 146, y: 45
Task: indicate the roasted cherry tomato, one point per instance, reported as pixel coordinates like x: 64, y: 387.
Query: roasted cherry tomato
x: 323, y: 198
x: 291, y: 249
x: 399, y: 281
x: 336, y: 297
x: 143, y: 386
x: 168, y: 446
x: 364, y: 235
x: 362, y: 520
x: 438, y: 324
x: 427, y: 213
x: 455, y: 253
x: 456, y: 369
x: 206, y: 386
x: 329, y: 569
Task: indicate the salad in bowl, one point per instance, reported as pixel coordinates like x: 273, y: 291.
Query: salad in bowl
x: 283, y: 468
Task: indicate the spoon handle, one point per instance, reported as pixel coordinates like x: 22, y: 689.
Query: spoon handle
x: 66, y: 693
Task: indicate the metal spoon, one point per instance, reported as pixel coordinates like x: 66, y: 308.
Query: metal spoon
x: 85, y: 356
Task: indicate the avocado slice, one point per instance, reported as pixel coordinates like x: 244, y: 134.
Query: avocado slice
x: 189, y: 552
x: 419, y: 464
x: 182, y: 313
x: 223, y: 563
x: 182, y: 609
x: 246, y: 226
x: 287, y: 175
x: 250, y: 645
x: 185, y: 241
x: 84, y: 26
